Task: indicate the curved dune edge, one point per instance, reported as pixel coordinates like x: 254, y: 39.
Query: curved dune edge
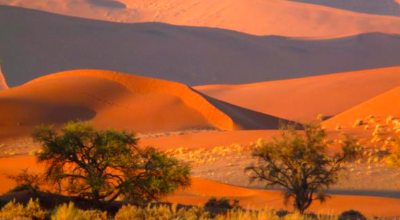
x: 3, y: 83
x: 267, y: 17
x: 201, y: 190
x: 145, y: 85
x: 303, y: 99
x: 381, y: 106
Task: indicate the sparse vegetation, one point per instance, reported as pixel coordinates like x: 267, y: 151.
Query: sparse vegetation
x: 299, y: 163
x: 103, y: 165
x: 358, y: 123
x: 69, y: 211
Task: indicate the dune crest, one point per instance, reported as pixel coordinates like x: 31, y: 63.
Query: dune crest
x: 144, y: 86
x: 304, y: 98
x: 264, y: 17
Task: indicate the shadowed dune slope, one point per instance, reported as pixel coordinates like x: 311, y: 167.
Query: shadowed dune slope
x: 110, y: 99
x: 201, y: 190
x: 382, y: 106
x: 303, y: 99
x: 259, y: 17
x: 35, y: 43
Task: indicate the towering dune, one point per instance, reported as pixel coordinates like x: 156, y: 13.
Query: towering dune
x: 263, y: 17
x: 190, y: 55
x: 303, y: 99
x: 381, y: 106
x: 110, y: 99
x: 3, y: 84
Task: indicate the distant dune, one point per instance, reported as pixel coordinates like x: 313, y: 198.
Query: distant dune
x: 303, y: 99
x: 39, y: 43
x: 381, y: 107
x: 380, y: 7
x: 110, y: 99
x: 258, y: 17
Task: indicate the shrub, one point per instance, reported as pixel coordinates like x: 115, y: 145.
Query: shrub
x: 393, y: 159
x: 352, y: 215
x: 102, y: 165
x: 67, y: 212
x: 218, y: 203
x: 358, y: 123
x: 300, y: 164
x: 32, y: 210
x: 130, y: 212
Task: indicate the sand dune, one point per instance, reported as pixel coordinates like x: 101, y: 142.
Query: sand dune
x: 202, y: 190
x: 380, y: 7
x: 303, y: 99
x: 261, y: 17
x: 110, y: 99
x: 38, y: 43
x: 381, y: 106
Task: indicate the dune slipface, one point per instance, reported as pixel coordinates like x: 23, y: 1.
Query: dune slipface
x: 304, y: 98
x: 110, y: 99
x: 266, y: 17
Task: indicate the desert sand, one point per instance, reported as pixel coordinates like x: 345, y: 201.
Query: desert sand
x: 201, y: 190
x: 39, y: 43
x: 258, y: 17
x: 303, y: 99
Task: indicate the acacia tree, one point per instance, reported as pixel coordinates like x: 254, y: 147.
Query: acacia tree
x: 101, y: 165
x: 299, y: 162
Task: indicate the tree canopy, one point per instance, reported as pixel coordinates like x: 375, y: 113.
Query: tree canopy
x: 299, y: 162
x: 102, y: 165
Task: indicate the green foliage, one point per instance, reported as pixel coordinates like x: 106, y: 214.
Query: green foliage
x: 299, y: 163
x: 101, y: 165
x: 32, y: 210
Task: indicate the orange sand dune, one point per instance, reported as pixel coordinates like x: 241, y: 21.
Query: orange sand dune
x: 303, y: 99
x: 201, y: 190
x: 40, y: 43
x: 261, y: 17
x: 382, y: 106
x: 110, y: 99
